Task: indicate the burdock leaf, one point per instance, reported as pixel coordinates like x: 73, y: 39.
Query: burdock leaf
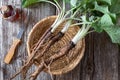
x: 101, y: 8
x: 112, y: 30
x: 23, y: 2
x: 97, y: 27
x: 114, y: 33
x: 27, y: 3
x: 106, y: 20
x: 113, y: 17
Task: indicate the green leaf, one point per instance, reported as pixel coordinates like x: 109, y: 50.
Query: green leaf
x: 113, y: 17
x: 73, y: 2
x: 23, y: 2
x: 27, y: 3
x: 97, y: 27
x: 106, y: 21
x: 114, y: 33
x: 108, y: 26
x: 103, y: 8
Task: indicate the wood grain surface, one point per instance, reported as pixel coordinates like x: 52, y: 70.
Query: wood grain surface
x: 100, y: 62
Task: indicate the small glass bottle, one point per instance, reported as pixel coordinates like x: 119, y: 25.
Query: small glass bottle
x: 10, y: 13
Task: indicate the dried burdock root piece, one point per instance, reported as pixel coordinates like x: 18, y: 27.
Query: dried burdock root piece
x: 43, y: 38
x: 50, y: 43
x: 38, y: 70
x: 54, y: 57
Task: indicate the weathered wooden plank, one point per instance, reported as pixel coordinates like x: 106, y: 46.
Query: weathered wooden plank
x: 87, y: 63
x: 105, y: 58
x: 101, y: 59
x: 119, y: 64
x: 1, y: 56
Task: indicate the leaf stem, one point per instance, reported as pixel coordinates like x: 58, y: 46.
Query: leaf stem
x: 76, y: 24
x: 81, y: 33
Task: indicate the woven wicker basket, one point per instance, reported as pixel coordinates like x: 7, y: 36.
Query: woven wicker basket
x: 65, y: 63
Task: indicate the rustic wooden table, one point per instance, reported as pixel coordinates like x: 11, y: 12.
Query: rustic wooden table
x: 100, y: 62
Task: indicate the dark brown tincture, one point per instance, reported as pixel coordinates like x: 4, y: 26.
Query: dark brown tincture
x: 9, y: 13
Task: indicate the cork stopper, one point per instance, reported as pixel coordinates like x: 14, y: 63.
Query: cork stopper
x: 4, y: 9
x: 7, y: 11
